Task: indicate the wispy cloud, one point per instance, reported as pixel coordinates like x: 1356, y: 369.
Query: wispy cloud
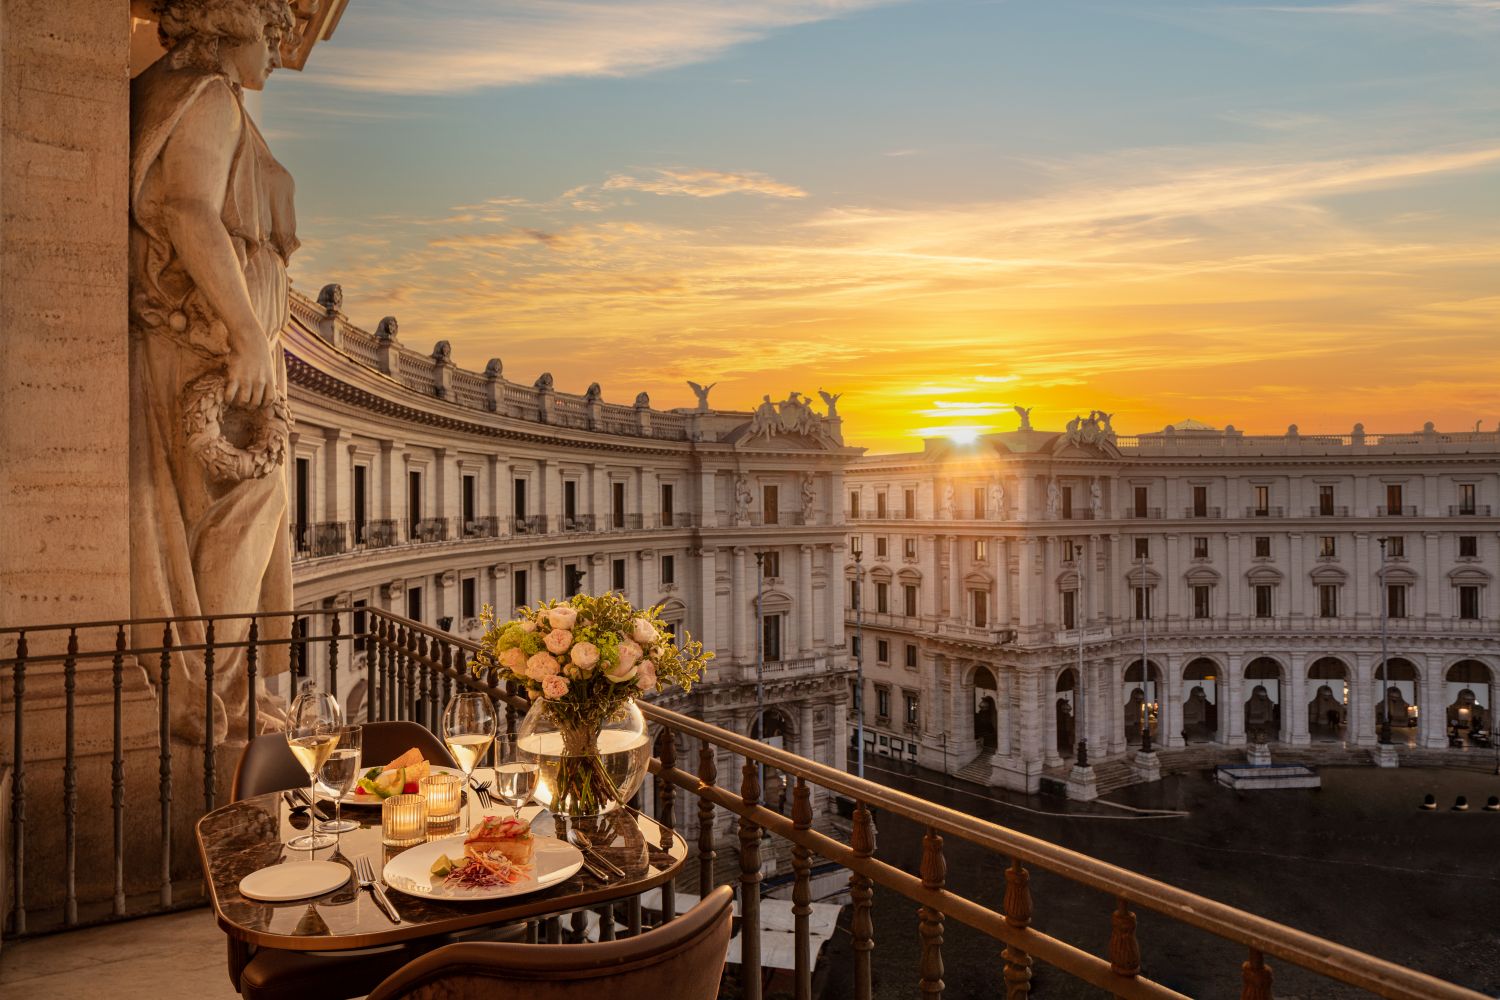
x: 704, y: 184
x: 452, y: 46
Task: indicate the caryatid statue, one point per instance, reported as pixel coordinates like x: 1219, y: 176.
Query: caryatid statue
x: 211, y: 230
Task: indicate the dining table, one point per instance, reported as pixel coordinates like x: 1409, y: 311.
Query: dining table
x: 246, y: 836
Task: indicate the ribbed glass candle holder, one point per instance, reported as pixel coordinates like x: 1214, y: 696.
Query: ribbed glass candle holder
x: 444, y: 793
x: 403, y: 820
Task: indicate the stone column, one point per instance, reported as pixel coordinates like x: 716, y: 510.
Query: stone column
x: 834, y: 596
x: 337, y: 467
x: 446, y: 502
x: 649, y: 502
x: 1364, y: 583
x: 1294, y: 699
x: 1298, y: 603
x: 741, y: 608
x: 1026, y: 592
x: 1234, y: 578
x: 1121, y: 601
x: 837, y: 501
x: 1000, y: 547
x: 1094, y: 607
x: 1432, y: 708
x: 499, y: 474
x: 956, y: 610
x: 932, y: 579
x: 1111, y: 680
x: 389, y: 492
x: 805, y: 639
x: 1048, y: 712
x: 1234, y: 694
x: 1170, y: 722
x: 1051, y: 596
x: 1363, y: 698
x: 1031, y: 695
x: 1171, y: 584
x: 1432, y: 578
x: 549, y: 485
x: 805, y: 743
x: 709, y: 628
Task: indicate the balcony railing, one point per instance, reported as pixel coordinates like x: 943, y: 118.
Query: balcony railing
x: 1203, y: 512
x: 482, y: 527
x: 1404, y: 510
x: 1332, y: 510
x: 410, y: 671
x: 1144, y: 513
x: 1265, y: 512
x: 1469, y: 510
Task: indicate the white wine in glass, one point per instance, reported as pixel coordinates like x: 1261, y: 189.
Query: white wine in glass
x: 312, y: 751
x: 312, y: 732
x: 469, y: 727
x: 468, y: 749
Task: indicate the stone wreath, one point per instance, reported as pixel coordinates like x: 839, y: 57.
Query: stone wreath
x: 203, y: 408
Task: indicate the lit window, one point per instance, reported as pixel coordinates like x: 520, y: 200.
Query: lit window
x: 1327, y: 546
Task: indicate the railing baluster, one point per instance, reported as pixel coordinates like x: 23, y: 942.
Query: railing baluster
x: 372, y: 673
x: 18, y: 790
x: 440, y: 694
x: 934, y: 877
x: 385, y: 633
x: 1124, y: 950
x: 1256, y: 976
x: 403, y: 667
x: 421, y: 709
x: 606, y: 915
x: 750, y: 974
x: 580, y: 924
x: 554, y: 930
x: 70, y: 781
x: 164, y: 754
x: 333, y: 654
x: 117, y: 771
x: 667, y: 817
x: 1017, y: 914
x: 802, y: 892
x: 708, y: 772
x: 294, y: 653
x: 633, y: 915
x: 208, y: 716
x: 251, y: 653
x: 862, y: 892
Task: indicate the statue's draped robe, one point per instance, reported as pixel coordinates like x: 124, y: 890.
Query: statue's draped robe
x: 200, y: 546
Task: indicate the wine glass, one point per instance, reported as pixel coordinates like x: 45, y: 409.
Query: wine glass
x: 469, y: 725
x: 312, y: 732
x: 515, y: 774
x: 337, y: 775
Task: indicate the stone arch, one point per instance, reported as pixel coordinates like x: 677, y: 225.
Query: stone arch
x: 1065, y: 711
x: 780, y: 732
x: 1201, y: 678
x: 1264, y: 677
x: 1141, y: 692
x: 1469, y: 700
x: 1328, y: 679
x: 985, y: 684
x: 1397, y: 690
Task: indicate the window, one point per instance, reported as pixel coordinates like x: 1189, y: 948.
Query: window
x: 854, y: 503
x: 770, y: 503
x: 1067, y: 501
x: 1143, y: 548
x: 1201, y: 606
x: 770, y: 565
x: 1395, y: 600
x: 1328, y: 600
x: 909, y: 499
x: 617, y: 574
x: 1262, y: 546
x: 1200, y: 501
x: 981, y: 550
x: 1200, y: 546
x: 857, y: 544
x: 617, y: 504
x: 414, y: 603
x: 303, y: 500
x: 909, y: 599
x: 880, y: 505
x: 470, y: 507
x: 911, y: 657
x: 1262, y: 501
x: 1070, y: 609
x: 667, y: 511
x: 1325, y: 501
x: 518, y: 588
x: 668, y: 570
x: 1142, y: 602
x: 909, y: 548
x: 882, y: 546
x: 771, y: 637
x: 1327, y: 546
x: 882, y: 598
x: 1468, y: 546
x: 1141, y: 498
x: 1263, y: 604
x: 361, y: 494
x: 1071, y: 550
x: 570, y: 502
x: 413, y: 502
x: 518, y: 494
x: 979, y: 511
x: 1466, y: 498
x: 1393, y: 498
x: 883, y: 702
x: 572, y: 580
x: 882, y: 651
x: 1468, y: 603
x: 1395, y: 547
x: 469, y: 598
x: 979, y: 607
x: 854, y: 594
x: 911, y: 710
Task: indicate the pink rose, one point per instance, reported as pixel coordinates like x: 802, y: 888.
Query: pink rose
x: 645, y: 677
x: 620, y: 672
x: 562, y: 616
x: 527, y: 625
x: 630, y: 653
x: 513, y: 660
x: 542, y: 666
x: 584, y: 656
x: 558, y: 641
x: 643, y: 632
x: 555, y: 687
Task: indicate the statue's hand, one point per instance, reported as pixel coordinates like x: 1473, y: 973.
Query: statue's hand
x: 249, y: 378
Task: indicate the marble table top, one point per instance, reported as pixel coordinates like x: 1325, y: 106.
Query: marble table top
x: 245, y: 836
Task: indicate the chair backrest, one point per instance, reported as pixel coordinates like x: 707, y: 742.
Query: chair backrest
x: 385, y: 741
x: 267, y: 765
x: 683, y: 960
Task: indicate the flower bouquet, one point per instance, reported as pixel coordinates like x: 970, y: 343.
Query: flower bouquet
x: 583, y: 661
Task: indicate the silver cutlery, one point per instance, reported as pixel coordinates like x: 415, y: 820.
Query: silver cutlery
x: 482, y: 789
x: 590, y: 851
x: 298, y: 802
x: 365, y: 873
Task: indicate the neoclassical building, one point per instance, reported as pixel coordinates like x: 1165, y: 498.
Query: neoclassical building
x: 1245, y: 571
x: 429, y: 490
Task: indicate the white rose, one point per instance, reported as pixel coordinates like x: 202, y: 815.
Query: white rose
x: 646, y: 675
x: 584, y: 655
x: 513, y: 659
x: 620, y: 672
x: 527, y: 625
x: 562, y: 617
x: 643, y: 632
x: 558, y: 641
x: 630, y: 653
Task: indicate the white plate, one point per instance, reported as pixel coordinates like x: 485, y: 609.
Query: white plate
x: 294, y: 880
x: 374, y: 800
x: 411, y: 871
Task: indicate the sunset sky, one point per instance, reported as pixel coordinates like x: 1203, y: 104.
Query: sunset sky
x: 1247, y: 213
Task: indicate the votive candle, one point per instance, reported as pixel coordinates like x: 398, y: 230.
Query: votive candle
x: 443, y: 793
x: 403, y: 820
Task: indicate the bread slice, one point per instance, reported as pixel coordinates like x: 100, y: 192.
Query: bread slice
x: 407, y: 759
x: 502, y: 835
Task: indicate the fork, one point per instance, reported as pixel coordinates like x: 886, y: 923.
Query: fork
x: 590, y: 850
x: 365, y: 873
x: 482, y: 789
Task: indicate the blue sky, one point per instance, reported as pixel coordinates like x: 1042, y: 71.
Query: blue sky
x: 1239, y: 212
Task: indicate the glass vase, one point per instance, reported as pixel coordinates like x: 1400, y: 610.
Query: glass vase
x: 587, y: 769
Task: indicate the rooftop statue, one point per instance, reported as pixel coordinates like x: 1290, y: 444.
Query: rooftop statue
x: 1024, y: 412
x: 831, y: 400
x: 211, y: 230
x: 387, y: 328
x: 701, y: 391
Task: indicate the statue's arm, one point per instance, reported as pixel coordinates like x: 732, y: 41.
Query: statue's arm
x: 195, y: 173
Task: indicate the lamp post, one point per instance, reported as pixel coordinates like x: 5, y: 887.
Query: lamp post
x: 760, y: 662
x: 1145, y: 662
x: 1385, y: 663
x: 859, y: 664
x: 1081, y: 758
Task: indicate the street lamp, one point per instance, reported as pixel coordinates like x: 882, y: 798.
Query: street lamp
x: 859, y: 663
x: 760, y: 662
x: 1385, y: 663
x: 1145, y: 662
x: 1081, y: 758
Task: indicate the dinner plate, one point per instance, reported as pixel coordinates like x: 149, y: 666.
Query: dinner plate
x: 294, y: 880
x: 353, y: 799
x: 411, y: 870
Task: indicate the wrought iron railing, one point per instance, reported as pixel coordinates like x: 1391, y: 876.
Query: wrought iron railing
x: 410, y: 670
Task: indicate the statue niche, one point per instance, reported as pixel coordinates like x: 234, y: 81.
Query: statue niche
x: 211, y: 230
x: 1467, y: 713
x: 1199, y: 717
x: 1261, y: 713
x: 1325, y: 710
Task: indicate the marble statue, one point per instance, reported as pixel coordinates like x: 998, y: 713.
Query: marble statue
x: 1260, y: 710
x: 594, y: 393
x: 1135, y: 710
x: 1054, y: 497
x: 997, y: 498
x: 1096, y: 499
x: 701, y: 391
x: 1024, y: 412
x: 946, y: 510
x: 1466, y: 712
x: 494, y: 368
x: 1064, y: 726
x: 1325, y: 709
x: 743, y: 497
x: 442, y: 353
x: 831, y: 400
x: 211, y: 230
x: 331, y: 297
x: 1395, y: 702
x: 1196, y: 711
x: 764, y: 422
x: 387, y: 328
x: 809, y: 496
x: 642, y: 400
x: 544, y: 382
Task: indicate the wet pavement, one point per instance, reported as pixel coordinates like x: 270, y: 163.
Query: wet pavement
x: 1355, y: 862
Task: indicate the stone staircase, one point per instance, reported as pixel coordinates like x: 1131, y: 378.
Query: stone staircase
x: 977, y: 770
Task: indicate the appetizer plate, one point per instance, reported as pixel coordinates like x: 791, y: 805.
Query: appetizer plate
x: 294, y: 880
x: 355, y: 799
x: 411, y: 870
